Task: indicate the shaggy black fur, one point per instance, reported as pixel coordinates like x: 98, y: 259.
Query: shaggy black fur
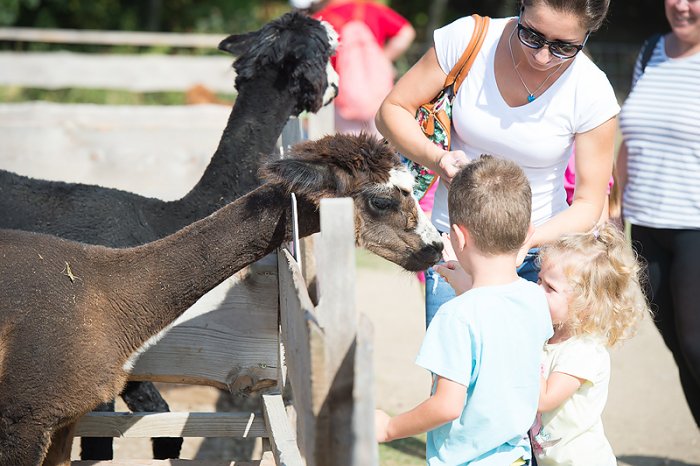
x: 281, y: 71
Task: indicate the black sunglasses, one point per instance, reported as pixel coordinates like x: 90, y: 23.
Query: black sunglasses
x: 557, y: 48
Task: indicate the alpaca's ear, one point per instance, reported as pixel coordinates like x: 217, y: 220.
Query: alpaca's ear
x: 238, y: 44
x: 300, y: 176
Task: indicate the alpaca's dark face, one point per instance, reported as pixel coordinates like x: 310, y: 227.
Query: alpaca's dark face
x: 388, y: 220
x: 294, y: 52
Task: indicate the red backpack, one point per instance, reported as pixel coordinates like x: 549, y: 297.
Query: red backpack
x: 365, y: 74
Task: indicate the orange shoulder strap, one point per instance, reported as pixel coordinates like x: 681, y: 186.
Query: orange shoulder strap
x: 461, y: 69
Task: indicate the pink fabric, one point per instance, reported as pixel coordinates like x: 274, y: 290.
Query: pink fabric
x: 426, y: 202
x: 570, y: 179
x: 384, y: 22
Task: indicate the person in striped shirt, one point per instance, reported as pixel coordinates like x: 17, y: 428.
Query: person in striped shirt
x: 659, y: 169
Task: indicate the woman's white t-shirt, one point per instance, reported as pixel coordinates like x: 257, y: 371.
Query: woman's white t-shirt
x: 539, y: 136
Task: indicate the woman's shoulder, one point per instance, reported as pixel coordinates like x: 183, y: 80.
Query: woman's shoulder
x: 590, y: 87
x: 586, y: 69
x: 465, y: 24
x: 451, y: 40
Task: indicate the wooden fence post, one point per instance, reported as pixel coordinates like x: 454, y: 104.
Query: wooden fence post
x: 365, y: 450
x: 337, y: 316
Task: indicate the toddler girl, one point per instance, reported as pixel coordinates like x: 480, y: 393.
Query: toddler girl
x: 592, y: 284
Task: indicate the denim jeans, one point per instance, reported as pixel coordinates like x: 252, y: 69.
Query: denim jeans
x: 438, y: 291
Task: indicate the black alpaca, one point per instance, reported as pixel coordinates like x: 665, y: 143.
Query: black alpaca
x: 282, y: 70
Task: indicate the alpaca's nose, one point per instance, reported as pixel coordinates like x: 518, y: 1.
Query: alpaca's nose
x: 432, y: 252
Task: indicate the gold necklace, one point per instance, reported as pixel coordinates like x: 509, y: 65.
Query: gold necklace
x: 530, y: 95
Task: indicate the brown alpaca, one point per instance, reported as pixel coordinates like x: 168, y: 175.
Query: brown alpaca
x: 61, y: 301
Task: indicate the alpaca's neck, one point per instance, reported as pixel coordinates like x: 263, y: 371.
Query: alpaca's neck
x: 256, y: 121
x: 186, y: 265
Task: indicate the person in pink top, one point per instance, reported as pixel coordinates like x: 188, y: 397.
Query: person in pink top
x: 392, y: 31
x: 611, y: 210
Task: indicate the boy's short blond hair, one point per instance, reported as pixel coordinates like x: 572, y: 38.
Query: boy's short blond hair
x: 491, y: 197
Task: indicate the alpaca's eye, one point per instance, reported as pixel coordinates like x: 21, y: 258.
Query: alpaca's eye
x: 381, y: 203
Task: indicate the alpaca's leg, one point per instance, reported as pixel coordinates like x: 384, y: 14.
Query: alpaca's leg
x: 144, y: 397
x: 97, y: 448
x: 60, y: 448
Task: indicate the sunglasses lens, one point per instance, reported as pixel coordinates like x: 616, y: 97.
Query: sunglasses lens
x: 563, y: 50
x: 530, y: 39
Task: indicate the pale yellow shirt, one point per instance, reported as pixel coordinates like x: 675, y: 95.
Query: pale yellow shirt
x: 572, y: 434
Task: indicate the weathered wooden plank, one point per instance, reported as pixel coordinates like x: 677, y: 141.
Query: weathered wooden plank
x: 113, y: 146
x: 97, y: 37
x: 338, y: 317
x: 267, y: 460
x: 172, y: 463
x: 308, y: 269
x: 304, y: 354
x: 322, y: 123
x: 364, y: 451
x: 138, y: 425
x: 282, y: 438
x: 138, y: 73
x: 228, y: 339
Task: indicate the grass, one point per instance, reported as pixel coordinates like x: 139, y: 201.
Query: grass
x: 405, y: 452
x: 14, y: 94
x: 367, y: 260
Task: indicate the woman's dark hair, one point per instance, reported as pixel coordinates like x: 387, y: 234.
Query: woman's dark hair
x: 591, y: 12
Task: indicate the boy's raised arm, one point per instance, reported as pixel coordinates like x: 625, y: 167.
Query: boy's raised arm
x: 444, y: 406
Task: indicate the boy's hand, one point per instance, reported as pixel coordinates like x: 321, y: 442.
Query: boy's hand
x: 448, y: 252
x: 381, y: 425
x: 455, y: 276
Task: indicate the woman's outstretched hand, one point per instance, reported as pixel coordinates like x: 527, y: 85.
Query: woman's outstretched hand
x: 450, y: 163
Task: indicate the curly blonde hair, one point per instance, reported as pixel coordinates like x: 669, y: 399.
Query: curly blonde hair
x: 606, y: 279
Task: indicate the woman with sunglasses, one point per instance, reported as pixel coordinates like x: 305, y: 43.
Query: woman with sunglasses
x: 530, y: 96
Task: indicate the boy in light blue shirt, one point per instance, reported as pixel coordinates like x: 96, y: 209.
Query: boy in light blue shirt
x: 483, y: 346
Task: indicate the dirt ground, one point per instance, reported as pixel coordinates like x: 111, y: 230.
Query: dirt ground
x: 646, y: 418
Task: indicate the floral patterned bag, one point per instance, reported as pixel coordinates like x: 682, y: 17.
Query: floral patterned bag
x: 435, y: 117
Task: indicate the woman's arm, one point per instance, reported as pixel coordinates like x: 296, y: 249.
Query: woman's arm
x: 594, y: 160
x: 556, y: 389
x: 396, y: 117
x: 444, y: 406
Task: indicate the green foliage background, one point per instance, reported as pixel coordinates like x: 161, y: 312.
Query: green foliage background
x: 628, y: 21
x: 147, y: 15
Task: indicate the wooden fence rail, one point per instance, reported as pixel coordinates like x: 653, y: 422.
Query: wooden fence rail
x: 88, y: 36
